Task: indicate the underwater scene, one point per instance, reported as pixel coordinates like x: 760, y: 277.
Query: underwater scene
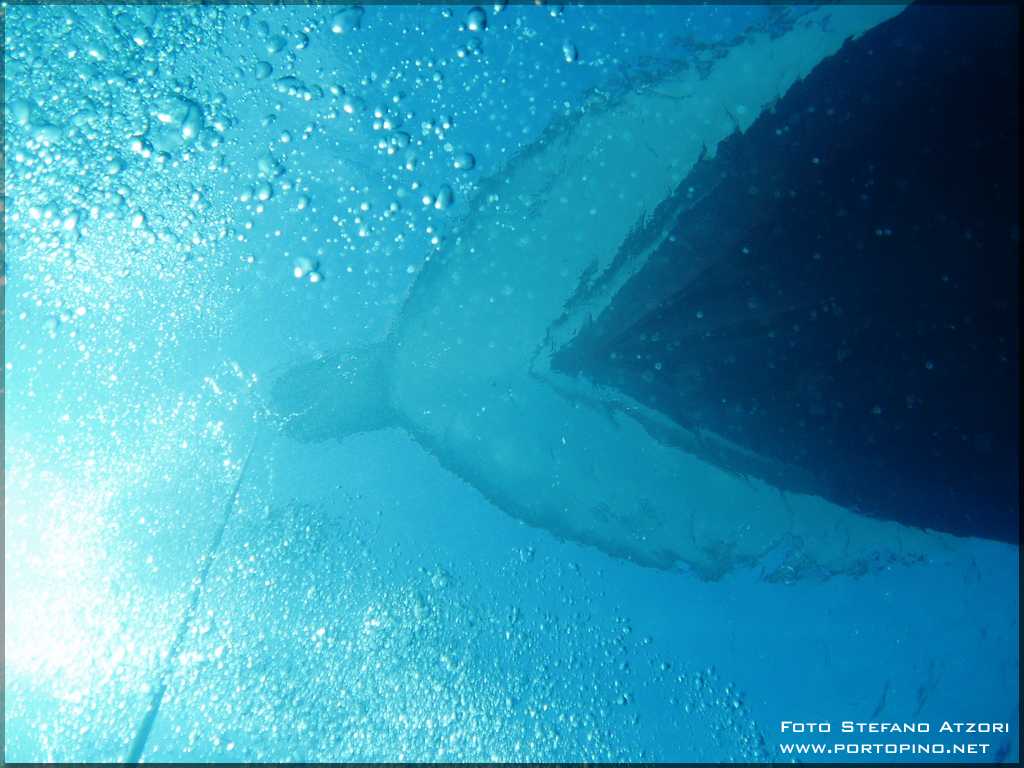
x: 511, y: 383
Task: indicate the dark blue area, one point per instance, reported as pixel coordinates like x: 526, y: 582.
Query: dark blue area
x: 842, y: 291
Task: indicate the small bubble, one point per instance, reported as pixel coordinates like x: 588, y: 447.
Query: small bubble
x: 439, y: 579
x: 304, y: 266
x: 476, y: 19
x: 445, y: 197
x: 275, y: 44
x: 351, y: 105
x: 464, y: 161
x: 348, y: 20
x: 268, y: 166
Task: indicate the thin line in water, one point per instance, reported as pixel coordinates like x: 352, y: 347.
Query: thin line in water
x: 198, y: 585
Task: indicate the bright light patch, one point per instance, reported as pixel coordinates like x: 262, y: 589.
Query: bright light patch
x: 54, y: 603
x: 66, y: 612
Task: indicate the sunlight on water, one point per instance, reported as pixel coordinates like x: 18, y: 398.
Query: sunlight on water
x: 55, y: 587
x: 346, y: 242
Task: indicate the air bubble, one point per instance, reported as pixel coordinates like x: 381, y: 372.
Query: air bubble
x: 291, y: 86
x: 304, y: 266
x: 464, y: 161
x: 476, y: 19
x: 268, y: 166
x: 263, y: 70
x: 351, y: 105
x: 348, y: 20
x: 264, y: 191
x: 445, y: 197
x: 178, y: 122
x: 439, y: 579
x: 275, y: 44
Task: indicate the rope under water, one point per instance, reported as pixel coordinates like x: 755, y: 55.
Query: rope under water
x: 198, y: 585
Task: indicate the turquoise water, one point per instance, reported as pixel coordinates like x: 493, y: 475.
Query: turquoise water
x: 200, y: 199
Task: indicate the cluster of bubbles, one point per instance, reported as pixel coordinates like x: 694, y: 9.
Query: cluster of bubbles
x: 321, y: 647
x: 350, y: 106
x: 316, y: 639
x: 113, y: 157
x: 98, y: 122
x: 104, y: 553
x: 128, y: 126
x: 151, y: 150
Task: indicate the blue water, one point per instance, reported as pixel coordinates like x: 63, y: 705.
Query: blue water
x: 365, y: 602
